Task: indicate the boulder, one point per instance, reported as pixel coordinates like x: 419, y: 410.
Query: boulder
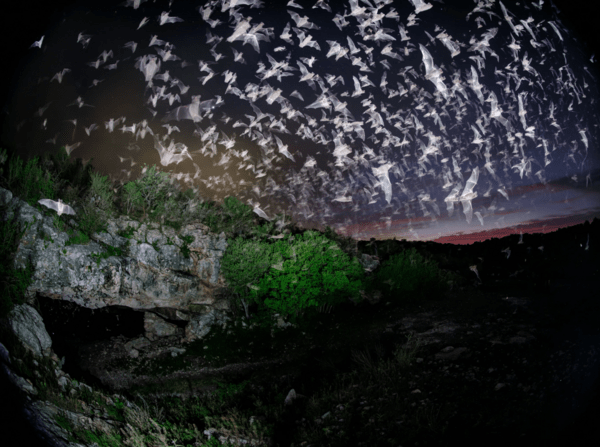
x: 27, y: 324
x: 157, y: 327
x: 200, y: 325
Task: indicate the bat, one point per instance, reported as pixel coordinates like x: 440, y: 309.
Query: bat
x: 60, y: 207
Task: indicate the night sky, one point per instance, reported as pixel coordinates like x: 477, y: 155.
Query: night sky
x: 453, y: 121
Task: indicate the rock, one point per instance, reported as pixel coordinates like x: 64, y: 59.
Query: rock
x: 27, y: 324
x: 200, y: 325
x: 138, y: 343
x: 17, y: 381
x: 153, y: 268
x: 4, y: 354
x: 369, y: 262
x: 157, y: 327
x: 176, y: 274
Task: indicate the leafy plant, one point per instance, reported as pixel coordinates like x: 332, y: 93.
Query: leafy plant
x: 102, y: 439
x: 309, y: 272
x: 27, y: 181
x: 100, y: 197
x: 71, y: 178
x: 127, y: 232
x: 149, y: 191
x: 410, y: 276
x: 227, y: 391
x: 347, y: 244
x: 185, y: 250
x: 233, y: 217
x: 132, y: 196
x: 13, y: 282
x: 110, y: 251
x: 243, y: 263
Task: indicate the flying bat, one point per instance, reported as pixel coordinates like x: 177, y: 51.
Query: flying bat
x: 60, y: 207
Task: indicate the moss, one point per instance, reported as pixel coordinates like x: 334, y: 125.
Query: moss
x: 78, y: 238
x: 185, y: 251
x: 198, y: 308
x: 127, y: 232
x: 110, y: 251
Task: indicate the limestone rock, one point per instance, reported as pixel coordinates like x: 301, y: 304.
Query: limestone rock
x: 152, y: 268
x: 28, y: 325
x: 157, y: 327
x: 142, y: 266
x: 200, y: 325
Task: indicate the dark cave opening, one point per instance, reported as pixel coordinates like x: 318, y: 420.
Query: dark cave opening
x: 72, y: 326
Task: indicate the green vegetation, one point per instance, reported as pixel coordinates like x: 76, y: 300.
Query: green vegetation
x: 308, y: 272
x: 28, y: 181
x: 13, y: 282
x: 409, y: 276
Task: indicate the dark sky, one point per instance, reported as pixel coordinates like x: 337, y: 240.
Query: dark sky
x: 378, y: 131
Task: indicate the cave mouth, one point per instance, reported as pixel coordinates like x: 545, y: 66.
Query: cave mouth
x: 72, y: 326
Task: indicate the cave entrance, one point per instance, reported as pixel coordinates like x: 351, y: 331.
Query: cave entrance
x: 72, y: 326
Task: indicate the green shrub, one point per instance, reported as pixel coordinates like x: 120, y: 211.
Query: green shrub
x: 244, y: 263
x: 233, y: 217
x: 148, y: 193
x: 101, y: 194
x: 132, y: 196
x: 13, y: 282
x: 409, y: 276
x: 348, y: 244
x: 71, y: 178
x: 91, y: 219
x: 28, y: 181
x: 306, y: 273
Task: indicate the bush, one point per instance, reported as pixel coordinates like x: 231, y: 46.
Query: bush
x: 243, y: 263
x: 234, y: 218
x: 101, y: 194
x: 409, y: 276
x: 28, y: 182
x: 13, y: 282
x: 149, y: 193
x: 306, y: 273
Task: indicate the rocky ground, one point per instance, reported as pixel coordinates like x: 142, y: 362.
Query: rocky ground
x: 481, y: 352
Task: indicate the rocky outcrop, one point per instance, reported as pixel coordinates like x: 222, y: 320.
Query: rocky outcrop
x: 136, y: 265
x: 26, y: 324
x: 175, y: 275
x: 150, y: 267
x: 45, y: 421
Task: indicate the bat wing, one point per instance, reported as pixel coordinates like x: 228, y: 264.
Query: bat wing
x: 471, y: 182
x: 49, y: 204
x: 427, y: 60
x: 68, y: 210
x: 467, y: 209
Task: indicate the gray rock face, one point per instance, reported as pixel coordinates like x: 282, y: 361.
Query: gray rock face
x: 27, y: 324
x: 154, y: 268
x: 200, y: 325
x: 157, y: 327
